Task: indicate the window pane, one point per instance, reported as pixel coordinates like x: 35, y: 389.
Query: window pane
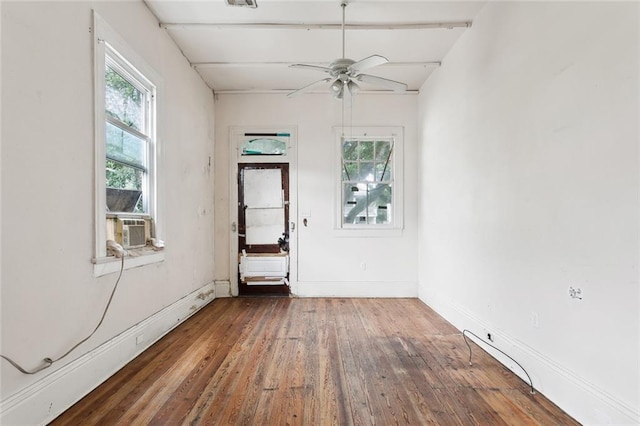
x: 366, y: 172
x: 264, y: 146
x: 349, y: 171
x: 122, y: 176
x: 366, y: 150
x: 125, y: 147
x: 123, y: 101
x: 349, y: 152
x: 383, y: 168
x: 124, y: 188
x: 367, y: 204
x: 382, y: 150
x: 355, y: 203
x: 379, y: 204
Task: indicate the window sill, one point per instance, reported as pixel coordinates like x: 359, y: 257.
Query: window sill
x: 134, y: 259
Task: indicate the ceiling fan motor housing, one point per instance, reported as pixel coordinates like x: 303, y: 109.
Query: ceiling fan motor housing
x: 340, y: 66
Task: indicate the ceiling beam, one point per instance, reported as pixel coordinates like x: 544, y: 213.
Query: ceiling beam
x: 287, y: 64
x: 312, y: 92
x: 325, y: 26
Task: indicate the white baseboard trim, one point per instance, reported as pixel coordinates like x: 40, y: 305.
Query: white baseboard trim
x: 581, y: 399
x: 44, y: 400
x: 356, y: 289
x: 223, y: 289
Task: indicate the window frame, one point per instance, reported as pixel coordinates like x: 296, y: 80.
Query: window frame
x: 132, y: 75
x: 396, y: 133
x: 110, y: 47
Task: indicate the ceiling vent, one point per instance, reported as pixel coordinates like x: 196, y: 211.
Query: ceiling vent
x: 242, y: 3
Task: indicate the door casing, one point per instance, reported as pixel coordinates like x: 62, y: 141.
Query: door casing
x: 236, y: 135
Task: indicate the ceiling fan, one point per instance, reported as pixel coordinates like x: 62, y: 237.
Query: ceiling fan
x: 345, y: 72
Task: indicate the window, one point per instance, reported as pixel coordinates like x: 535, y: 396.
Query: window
x: 369, y: 189
x: 125, y: 145
x: 366, y: 181
x: 128, y: 113
x: 258, y: 144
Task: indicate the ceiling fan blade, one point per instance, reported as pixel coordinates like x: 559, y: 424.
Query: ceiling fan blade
x: 366, y: 63
x: 308, y: 87
x: 311, y: 67
x: 384, y: 82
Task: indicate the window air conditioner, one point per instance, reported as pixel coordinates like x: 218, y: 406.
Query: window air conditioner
x: 131, y: 233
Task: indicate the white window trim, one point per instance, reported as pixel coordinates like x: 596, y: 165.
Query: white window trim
x: 104, y: 264
x: 371, y: 230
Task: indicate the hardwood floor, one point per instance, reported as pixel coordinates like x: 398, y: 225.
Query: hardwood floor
x: 277, y: 361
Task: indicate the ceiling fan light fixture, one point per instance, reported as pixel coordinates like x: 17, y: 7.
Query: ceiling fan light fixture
x: 242, y: 3
x: 353, y: 87
x: 336, y: 86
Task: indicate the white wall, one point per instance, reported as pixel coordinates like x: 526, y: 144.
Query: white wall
x: 328, y: 265
x: 529, y: 159
x: 50, y: 299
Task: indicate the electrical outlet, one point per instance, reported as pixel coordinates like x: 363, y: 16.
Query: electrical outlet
x: 363, y: 266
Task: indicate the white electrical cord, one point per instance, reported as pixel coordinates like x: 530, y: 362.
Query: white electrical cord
x: 48, y: 361
x: 464, y: 336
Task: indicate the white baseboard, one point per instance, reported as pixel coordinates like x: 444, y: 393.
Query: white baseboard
x: 355, y: 289
x: 223, y: 289
x: 46, y: 399
x: 585, y: 402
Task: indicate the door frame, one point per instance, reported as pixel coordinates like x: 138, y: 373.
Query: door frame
x: 236, y: 134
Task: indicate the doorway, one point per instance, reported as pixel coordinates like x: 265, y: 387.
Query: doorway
x: 262, y: 208
x: 263, y: 235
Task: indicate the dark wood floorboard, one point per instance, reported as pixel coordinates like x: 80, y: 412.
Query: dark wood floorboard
x: 287, y: 361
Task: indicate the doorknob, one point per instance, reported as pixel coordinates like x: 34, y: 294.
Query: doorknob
x: 233, y: 227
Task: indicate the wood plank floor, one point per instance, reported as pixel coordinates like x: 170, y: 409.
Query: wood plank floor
x: 287, y: 361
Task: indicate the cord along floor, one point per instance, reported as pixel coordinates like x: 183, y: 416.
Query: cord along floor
x: 259, y: 361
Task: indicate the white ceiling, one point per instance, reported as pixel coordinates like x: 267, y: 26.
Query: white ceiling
x: 241, y: 49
